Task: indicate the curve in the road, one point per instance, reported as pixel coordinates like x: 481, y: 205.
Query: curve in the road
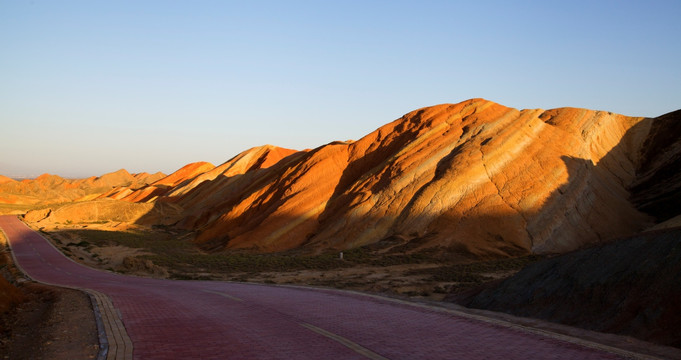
x: 170, y: 319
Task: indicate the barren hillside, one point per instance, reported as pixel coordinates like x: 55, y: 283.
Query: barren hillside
x: 476, y: 178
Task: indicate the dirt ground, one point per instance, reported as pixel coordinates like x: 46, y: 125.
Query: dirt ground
x: 44, y: 322
x: 429, y: 279
x: 53, y: 323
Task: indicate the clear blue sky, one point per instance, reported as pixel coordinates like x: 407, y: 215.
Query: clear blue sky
x: 89, y: 87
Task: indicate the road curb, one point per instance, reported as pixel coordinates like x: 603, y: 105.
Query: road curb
x: 119, y: 345
x: 101, y: 331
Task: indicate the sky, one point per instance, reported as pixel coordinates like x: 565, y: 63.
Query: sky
x: 90, y: 87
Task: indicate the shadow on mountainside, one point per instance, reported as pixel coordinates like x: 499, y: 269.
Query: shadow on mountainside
x: 373, y: 158
x: 629, y: 285
x: 212, y: 198
x: 592, y: 206
x: 657, y: 190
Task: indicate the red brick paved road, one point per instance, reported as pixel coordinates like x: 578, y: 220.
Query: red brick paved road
x: 169, y: 319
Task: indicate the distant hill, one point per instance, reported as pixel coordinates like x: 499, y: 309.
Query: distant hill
x: 5, y: 179
x: 50, y: 189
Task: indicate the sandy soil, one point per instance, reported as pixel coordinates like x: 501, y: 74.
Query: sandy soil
x: 50, y: 322
x: 54, y: 323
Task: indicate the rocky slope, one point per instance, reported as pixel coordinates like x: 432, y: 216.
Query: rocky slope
x: 657, y: 189
x: 150, y: 192
x: 476, y: 177
x: 184, y: 180
x: 629, y: 287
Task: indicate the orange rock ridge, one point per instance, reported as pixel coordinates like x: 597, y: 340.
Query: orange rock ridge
x: 475, y: 177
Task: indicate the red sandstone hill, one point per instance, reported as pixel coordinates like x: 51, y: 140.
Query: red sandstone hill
x: 159, y: 187
x: 170, y: 188
x: 475, y: 177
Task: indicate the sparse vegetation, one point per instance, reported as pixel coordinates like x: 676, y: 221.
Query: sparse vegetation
x: 157, y: 242
x: 383, y: 267
x: 465, y: 276
x: 17, y: 208
x: 6, y: 209
x: 246, y: 262
x: 81, y: 244
x: 474, y: 272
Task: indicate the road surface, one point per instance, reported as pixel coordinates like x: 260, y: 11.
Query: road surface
x: 170, y: 319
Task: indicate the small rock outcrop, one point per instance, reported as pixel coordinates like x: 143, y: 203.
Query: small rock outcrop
x: 37, y: 215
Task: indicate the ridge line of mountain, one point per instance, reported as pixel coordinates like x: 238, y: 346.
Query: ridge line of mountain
x: 475, y: 177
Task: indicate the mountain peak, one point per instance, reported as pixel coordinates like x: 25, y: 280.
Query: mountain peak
x: 185, y: 173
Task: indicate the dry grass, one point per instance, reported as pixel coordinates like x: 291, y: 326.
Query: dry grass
x: 383, y: 268
x: 9, y: 209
